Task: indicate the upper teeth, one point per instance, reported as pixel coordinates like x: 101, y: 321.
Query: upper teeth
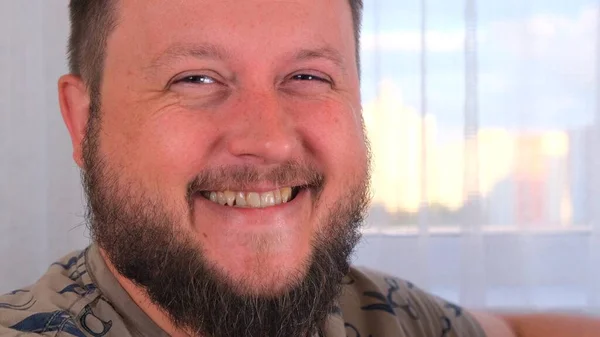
x: 250, y: 199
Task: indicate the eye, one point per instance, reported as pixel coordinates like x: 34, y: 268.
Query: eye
x: 196, y: 79
x: 199, y: 86
x: 308, y: 83
x: 309, y: 77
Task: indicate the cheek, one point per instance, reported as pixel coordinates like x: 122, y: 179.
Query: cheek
x: 177, y: 146
x: 333, y: 131
x: 165, y: 150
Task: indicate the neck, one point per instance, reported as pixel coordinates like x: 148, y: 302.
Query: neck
x: 141, y: 299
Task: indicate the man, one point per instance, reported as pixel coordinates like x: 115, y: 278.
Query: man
x: 226, y: 170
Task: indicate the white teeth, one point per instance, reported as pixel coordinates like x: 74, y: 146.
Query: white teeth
x: 277, y: 196
x: 286, y: 194
x: 267, y: 199
x: 253, y: 199
x: 250, y: 199
x: 221, y: 200
x: 240, y: 199
x: 230, y: 197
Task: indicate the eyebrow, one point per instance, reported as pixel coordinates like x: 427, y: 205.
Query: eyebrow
x: 216, y: 52
x: 328, y: 53
x: 179, y: 51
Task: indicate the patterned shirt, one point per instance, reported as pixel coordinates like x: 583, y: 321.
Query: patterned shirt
x: 79, y: 296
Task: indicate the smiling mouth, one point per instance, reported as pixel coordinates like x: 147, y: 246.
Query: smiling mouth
x: 252, y: 199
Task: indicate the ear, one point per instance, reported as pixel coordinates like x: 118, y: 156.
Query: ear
x: 74, y: 102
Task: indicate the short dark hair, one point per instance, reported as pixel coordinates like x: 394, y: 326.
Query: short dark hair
x: 92, y: 21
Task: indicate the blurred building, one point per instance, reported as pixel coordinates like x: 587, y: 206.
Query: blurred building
x: 542, y: 177
x: 525, y: 178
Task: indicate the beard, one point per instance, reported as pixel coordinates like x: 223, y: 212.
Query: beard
x: 146, y: 242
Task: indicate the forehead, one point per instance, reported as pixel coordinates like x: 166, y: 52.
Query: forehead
x: 148, y: 27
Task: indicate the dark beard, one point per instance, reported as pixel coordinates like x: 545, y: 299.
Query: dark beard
x: 144, y: 243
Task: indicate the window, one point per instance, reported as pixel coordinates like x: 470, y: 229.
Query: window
x: 483, y: 119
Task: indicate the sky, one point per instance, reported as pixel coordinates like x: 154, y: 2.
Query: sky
x: 536, y: 60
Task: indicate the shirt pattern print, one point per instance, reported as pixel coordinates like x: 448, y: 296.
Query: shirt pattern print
x: 78, y: 296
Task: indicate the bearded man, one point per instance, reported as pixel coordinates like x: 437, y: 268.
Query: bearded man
x: 226, y: 169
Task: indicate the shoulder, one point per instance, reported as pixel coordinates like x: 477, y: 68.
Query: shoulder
x: 384, y: 305
x: 49, y: 306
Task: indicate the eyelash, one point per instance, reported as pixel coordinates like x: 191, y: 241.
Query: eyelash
x: 309, y: 77
x: 193, y: 79
x: 201, y: 79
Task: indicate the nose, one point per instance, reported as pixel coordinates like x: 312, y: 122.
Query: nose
x: 262, y: 131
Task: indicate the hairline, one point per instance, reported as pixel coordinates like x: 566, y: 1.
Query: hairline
x: 92, y: 74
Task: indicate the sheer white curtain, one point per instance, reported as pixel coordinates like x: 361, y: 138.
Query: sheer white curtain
x: 484, y: 122
x: 40, y: 196
x: 483, y: 118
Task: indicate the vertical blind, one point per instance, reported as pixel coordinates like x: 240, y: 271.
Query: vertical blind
x: 483, y: 117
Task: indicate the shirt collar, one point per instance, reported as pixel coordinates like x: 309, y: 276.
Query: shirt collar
x: 132, y: 314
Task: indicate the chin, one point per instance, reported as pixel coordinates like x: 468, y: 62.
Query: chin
x: 265, y: 267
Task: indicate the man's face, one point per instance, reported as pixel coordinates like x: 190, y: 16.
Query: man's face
x: 244, y: 100
x: 227, y: 172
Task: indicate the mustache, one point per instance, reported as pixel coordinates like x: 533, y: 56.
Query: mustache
x: 243, y: 177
